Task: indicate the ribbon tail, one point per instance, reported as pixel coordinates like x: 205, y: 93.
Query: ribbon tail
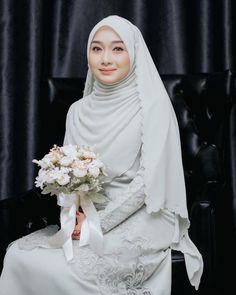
x: 84, y: 237
x: 68, y: 250
x: 63, y: 237
x: 91, y: 232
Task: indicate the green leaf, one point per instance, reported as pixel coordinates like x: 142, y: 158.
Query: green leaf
x: 97, y: 198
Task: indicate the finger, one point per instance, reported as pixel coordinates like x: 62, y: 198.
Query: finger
x: 76, y: 231
x: 76, y: 234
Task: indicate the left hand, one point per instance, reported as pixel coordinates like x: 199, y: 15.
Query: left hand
x: 79, y: 220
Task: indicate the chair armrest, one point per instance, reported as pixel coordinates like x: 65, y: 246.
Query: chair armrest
x: 203, y: 233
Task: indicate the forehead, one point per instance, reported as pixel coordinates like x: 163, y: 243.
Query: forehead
x: 105, y: 33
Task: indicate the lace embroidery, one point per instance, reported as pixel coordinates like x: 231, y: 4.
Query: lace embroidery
x: 117, y: 278
x: 122, y: 272
x: 84, y: 262
x: 112, y: 273
x: 125, y: 228
x: 124, y: 269
x: 123, y: 205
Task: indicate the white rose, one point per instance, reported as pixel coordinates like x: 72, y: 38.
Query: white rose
x: 58, y: 172
x: 79, y: 172
x: 94, y: 171
x: 55, y: 173
x: 79, y: 164
x: 69, y: 150
x: 45, y: 163
x: 65, y: 170
x: 63, y: 179
x: 52, y: 157
x: 96, y: 163
x: 66, y: 161
x: 49, y: 178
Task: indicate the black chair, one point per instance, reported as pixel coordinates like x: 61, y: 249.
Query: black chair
x: 202, y: 103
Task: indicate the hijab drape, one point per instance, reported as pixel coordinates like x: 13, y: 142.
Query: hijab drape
x: 135, y: 112
x: 109, y: 120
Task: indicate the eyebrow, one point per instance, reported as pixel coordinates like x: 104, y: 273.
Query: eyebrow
x: 100, y: 42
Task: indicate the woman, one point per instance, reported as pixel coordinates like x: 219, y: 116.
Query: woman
x: 127, y: 114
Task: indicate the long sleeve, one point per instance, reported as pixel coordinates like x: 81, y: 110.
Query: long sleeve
x: 124, y: 205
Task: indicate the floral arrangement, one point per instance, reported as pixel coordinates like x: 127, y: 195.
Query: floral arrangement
x: 69, y: 169
x: 75, y: 175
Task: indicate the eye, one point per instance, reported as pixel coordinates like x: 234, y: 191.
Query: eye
x: 95, y: 48
x: 118, y: 49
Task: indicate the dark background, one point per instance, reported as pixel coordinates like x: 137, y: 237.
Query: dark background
x: 44, y: 39
x: 41, y: 38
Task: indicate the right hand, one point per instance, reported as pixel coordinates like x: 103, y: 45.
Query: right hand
x: 79, y: 220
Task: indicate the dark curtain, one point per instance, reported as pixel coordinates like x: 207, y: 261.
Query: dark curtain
x: 39, y: 39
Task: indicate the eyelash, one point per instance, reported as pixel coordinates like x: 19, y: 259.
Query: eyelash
x: 95, y: 48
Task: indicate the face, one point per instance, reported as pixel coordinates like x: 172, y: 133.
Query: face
x: 108, y: 57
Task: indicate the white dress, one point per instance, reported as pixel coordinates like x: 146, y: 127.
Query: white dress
x: 137, y: 251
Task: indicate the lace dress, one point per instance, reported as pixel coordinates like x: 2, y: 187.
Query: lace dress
x: 137, y: 251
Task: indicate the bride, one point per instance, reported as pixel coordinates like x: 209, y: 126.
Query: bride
x: 127, y: 114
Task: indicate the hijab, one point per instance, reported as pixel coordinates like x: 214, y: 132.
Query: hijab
x: 135, y: 113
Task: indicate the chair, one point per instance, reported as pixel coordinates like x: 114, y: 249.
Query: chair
x: 202, y: 103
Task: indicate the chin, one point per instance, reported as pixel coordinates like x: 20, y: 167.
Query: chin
x: 108, y: 81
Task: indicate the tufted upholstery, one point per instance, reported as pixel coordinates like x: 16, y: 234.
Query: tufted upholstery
x: 204, y: 104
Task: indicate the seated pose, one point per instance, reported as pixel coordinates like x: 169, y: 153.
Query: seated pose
x: 126, y: 113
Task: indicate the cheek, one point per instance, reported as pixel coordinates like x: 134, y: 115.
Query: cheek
x: 125, y: 62
x: 92, y: 61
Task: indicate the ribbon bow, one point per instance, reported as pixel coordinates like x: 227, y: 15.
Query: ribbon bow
x: 91, y: 232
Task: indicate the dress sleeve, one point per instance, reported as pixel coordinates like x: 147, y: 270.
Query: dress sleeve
x: 131, y: 200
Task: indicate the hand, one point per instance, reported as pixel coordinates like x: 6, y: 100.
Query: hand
x: 79, y: 220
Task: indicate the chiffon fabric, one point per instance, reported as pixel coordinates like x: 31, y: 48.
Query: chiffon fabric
x: 133, y: 126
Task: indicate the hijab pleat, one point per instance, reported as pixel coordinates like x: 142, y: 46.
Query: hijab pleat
x: 109, y: 120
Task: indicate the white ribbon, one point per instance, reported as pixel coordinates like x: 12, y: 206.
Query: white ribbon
x: 91, y: 232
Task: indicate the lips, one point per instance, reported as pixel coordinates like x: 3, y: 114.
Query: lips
x: 107, y: 70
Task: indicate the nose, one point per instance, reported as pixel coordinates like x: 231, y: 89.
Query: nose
x: 106, y: 57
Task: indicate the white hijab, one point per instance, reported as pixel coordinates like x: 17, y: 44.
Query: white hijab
x: 136, y: 112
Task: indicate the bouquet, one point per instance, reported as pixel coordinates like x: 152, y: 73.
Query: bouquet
x: 75, y: 175
x: 69, y: 169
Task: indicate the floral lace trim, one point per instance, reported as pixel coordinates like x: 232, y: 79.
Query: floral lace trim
x: 124, y: 205
x: 84, y: 262
x: 119, y: 278
x: 122, y: 272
